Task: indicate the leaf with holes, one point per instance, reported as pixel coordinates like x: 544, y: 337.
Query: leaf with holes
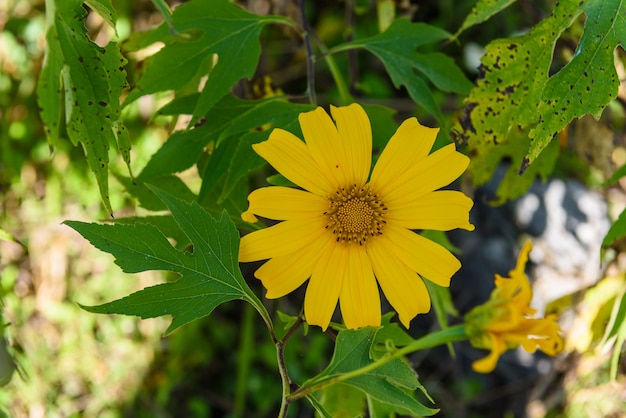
x: 589, y: 81
x: 84, y: 82
x: 210, y: 273
x: 514, y: 92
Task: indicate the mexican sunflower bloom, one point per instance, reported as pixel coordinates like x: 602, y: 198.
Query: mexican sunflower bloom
x: 344, y: 230
x: 506, y: 320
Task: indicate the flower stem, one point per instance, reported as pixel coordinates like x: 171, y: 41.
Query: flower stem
x: 452, y: 334
x: 282, y: 368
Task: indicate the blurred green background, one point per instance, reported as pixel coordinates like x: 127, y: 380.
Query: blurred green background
x: 64, y: 362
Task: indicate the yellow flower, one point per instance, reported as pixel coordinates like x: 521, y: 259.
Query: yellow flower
x: 343, y: 233
x: 505, y: 321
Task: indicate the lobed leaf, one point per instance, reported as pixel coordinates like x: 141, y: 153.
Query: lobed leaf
x: 215, y: 38
x: 514, y: 92
x: 84, y: 82
x: 396, y: 48
x: 589, y: 81
x: 209, y: 276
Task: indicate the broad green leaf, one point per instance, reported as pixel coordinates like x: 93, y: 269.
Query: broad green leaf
x: 483, y: 10
x: 216, y: 37
x: 234, y: 157
x: 396, y: 48
x: 147, y: 199
x: 344, y: 401
x: 84, y: 82
x: 209, y: 276
x: 589, y: 81
x: 181, y: 151
x: 165, y: 223
x: 388, y: 383
x: 617, y: 230
x: 231, y: 116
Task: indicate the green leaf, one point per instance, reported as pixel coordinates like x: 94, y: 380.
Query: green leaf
x: 514, y: 93
x: 105, y: 9
x: 483, y: 10
x: 396, y: 48
x: 231, y: 116
x: 165, y: 223
x: 234, y: 157
x: 389, y: 383
x: 513, y: 74
x: 84, y: 82
x: 514, y: 184
x: 617, y: 230
x: 619, y: 173
x: 218, y: 39
x: 146, y: 197
x: 181, y: 150
x: 589, y: 81
x: 210, y: 275
x: 344, y: 401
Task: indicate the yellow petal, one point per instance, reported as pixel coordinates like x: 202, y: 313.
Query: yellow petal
x: 325, y: 284
x: 421, y: 255
x: 355, y: 132
x: 433, y: 172
x: 326, y: 147
x: 281, y: 239
x: 359, y: 299
x: 283, y: 275
x: 407, y: 147
x: 282, y: 203
x: 291, y: 158
x: 442, y: 210
x: 487, y: 364
x: 403, y: 288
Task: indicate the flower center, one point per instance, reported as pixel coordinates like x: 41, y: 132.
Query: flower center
x: 355, y: 214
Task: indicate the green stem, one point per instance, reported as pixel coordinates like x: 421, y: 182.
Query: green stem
x: 244, y: 358
x: 452, y: 334
x: 342, y: 87
x: 282, y: 368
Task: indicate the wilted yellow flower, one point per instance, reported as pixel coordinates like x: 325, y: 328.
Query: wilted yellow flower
x: 345, y: 233
x: 505, y: 321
